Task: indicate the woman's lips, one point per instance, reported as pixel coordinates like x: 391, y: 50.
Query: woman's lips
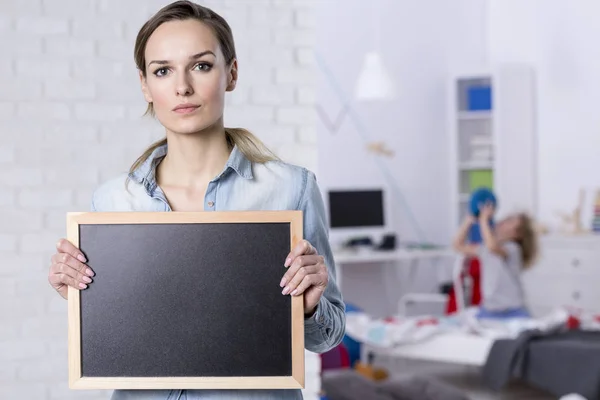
x: 186, y: 108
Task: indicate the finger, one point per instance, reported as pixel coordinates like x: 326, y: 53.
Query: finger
x: 66, y: 258
x: 309, y: 281
x: 64, y: 246
x: 303, y: 247
x: 299, y: 276
x: 62, y: 268
x: 60, y: 278
x: 298, y: 263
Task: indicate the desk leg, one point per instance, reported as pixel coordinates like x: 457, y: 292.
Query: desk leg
x: 407, y: 283
x: 412, y: 271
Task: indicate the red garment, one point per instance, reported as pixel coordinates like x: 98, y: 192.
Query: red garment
x: 474, y: 272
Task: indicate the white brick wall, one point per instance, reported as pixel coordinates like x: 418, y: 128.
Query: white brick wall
x: 70, y: 117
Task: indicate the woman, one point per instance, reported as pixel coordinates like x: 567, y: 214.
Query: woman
x: 186, y: 60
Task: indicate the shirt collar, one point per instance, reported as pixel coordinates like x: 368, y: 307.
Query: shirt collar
x: 145, y: 173
x: 239, y: 163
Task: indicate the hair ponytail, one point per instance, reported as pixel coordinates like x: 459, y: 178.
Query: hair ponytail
x: 251, y: 146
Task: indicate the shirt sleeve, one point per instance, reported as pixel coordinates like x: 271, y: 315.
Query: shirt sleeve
x: 325, y: 328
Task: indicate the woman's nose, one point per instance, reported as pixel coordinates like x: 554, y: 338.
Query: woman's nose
x: 184, y: 88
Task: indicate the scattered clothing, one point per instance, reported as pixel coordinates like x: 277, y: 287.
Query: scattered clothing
x: 521, y: 312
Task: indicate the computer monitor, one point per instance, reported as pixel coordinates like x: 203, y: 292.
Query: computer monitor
x: 358, y: 212
x: 356, y: 208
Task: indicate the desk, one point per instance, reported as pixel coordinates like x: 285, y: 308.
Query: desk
x: 397, y: 256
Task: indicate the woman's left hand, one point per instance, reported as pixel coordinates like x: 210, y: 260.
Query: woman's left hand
x: 306, y: 274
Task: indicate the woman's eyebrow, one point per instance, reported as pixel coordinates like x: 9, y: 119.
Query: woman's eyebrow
x: 195, y: 56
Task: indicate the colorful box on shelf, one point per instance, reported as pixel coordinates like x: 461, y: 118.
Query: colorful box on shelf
x: 481, y: 178
x: 479, y: 98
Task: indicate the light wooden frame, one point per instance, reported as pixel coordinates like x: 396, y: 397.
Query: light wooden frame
x: 77, y: 381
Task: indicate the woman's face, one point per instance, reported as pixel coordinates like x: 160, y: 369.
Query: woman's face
x: 508, y: 228
x: 186, y: 76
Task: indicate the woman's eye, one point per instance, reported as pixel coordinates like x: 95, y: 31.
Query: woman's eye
x: 202, y: 67
x: 161, y: 72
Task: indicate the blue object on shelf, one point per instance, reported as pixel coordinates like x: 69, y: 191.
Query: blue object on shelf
x: 479, y: 98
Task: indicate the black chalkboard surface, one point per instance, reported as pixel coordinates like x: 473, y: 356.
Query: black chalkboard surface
x: 185, y: 300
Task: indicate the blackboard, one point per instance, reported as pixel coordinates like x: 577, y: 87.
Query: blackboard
x: 185, y: 301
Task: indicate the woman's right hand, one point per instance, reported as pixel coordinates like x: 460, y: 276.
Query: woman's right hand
x: 68, y: 268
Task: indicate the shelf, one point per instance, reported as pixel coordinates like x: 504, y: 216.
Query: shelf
x: 474, y: 115
x: 492, y: 136
x: 471, y: 165
x: 481, y: 140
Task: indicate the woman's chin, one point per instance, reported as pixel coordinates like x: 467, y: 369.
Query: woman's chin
x: 189, y: 128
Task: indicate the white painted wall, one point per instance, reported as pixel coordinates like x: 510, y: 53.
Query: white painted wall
x: 420, y: 47
x: 421, y: 41
x: 558, y: 40
x: 70, y: 117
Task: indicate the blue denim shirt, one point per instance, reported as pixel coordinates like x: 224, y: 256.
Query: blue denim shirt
x: 242, y: 185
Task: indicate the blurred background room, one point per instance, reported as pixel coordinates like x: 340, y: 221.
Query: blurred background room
x: 405, y: 110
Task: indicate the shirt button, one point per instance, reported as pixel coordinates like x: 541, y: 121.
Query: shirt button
x: 211, y: 203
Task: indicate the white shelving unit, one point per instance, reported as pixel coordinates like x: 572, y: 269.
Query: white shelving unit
x: 497, y: 145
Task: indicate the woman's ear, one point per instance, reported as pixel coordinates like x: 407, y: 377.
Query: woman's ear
x: 233, y: 76
x: 145, y: 90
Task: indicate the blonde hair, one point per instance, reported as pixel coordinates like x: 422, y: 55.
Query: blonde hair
x: 527, y: 240
x: 252, y: 147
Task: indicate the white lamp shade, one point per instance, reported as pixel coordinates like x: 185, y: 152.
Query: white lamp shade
x: 374, y: 81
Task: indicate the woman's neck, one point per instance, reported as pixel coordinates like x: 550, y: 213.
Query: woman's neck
x: 193, y: 160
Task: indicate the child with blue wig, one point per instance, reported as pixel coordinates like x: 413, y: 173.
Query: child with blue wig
x: 506, y: 250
